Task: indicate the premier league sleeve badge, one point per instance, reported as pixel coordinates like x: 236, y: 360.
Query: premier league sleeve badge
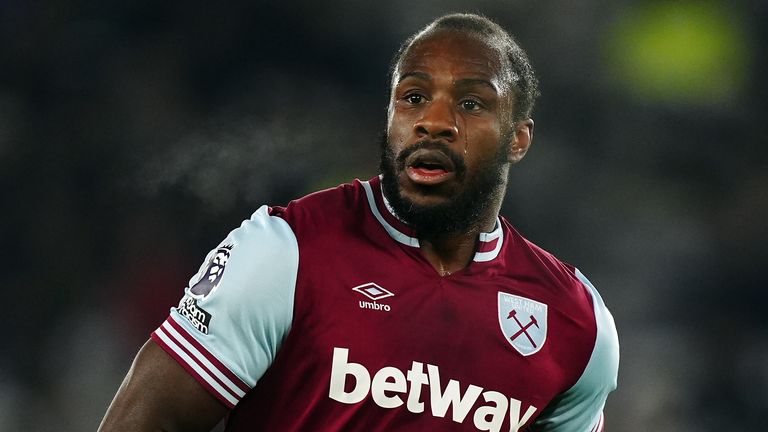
x: 213, y: 273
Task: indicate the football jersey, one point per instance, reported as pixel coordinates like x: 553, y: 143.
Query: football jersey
x: 325, y: 315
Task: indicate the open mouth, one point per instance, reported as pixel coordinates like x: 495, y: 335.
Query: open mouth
x: 429, y: 167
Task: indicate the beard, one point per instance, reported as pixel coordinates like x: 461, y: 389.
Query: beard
x: 466, y: 210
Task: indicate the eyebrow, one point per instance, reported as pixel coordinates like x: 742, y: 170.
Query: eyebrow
x: 463, y: 82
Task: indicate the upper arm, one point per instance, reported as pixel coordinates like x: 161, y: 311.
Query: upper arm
x: 232, y: 319
x: 580, y: 408
x: 157, y: 394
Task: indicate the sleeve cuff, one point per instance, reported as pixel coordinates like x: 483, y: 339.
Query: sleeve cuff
x: 200, y: 363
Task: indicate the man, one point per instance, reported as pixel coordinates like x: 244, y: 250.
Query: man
x: 400, y: 303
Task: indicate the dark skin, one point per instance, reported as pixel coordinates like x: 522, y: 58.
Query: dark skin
x: 450, y: 88
x: 157, y: 394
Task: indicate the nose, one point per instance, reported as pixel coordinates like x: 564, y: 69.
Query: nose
x: 438, y: 120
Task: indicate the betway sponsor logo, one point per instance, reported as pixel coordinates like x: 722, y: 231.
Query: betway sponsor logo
x: 390, y: 386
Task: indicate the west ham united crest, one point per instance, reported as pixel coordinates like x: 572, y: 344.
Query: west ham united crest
x: 523, y: 322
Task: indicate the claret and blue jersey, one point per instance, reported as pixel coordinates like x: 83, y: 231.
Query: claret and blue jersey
x: 324, y: 315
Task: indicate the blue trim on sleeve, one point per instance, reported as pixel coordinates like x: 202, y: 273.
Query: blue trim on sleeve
x: 251, y: 309
x: 579, y: 409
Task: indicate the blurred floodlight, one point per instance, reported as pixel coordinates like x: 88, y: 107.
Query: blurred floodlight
x: 688, y: 52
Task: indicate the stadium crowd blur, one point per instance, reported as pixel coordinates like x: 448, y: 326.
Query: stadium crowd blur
x: 135, y: 135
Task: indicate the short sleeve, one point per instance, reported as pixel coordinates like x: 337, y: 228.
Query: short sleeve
x: 580, y: 408
x: 237, y: 309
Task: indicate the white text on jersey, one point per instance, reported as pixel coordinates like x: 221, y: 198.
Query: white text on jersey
x: 389, y: 381
x: 374, y: 306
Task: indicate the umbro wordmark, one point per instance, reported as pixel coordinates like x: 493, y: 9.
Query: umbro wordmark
x: 390, y: 386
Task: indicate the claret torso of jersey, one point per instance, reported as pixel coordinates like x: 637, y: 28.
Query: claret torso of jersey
x: 324, y: 315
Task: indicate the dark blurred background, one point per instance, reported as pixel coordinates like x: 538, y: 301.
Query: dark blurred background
x: 135, y: 135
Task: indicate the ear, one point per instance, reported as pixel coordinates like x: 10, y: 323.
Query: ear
x: 521, y: 140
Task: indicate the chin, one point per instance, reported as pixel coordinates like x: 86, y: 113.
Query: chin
x: 424, y: 200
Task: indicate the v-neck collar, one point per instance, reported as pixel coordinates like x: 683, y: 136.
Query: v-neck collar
x: 489, y: 243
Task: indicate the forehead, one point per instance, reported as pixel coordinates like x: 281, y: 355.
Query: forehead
x: 454, y: 52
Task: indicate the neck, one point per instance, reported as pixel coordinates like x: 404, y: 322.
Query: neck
x: 449, y: 253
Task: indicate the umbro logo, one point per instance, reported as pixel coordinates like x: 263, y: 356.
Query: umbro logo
x: 375, y: 293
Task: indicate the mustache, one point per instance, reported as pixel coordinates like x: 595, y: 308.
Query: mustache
x: 458, y: 161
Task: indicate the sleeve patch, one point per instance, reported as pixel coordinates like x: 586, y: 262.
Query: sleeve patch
x: 197, y: 316
x: 214, y: 270
x: 237, y: 309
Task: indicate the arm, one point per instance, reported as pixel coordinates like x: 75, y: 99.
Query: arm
x: 218, y: 342
x: 157, y: 394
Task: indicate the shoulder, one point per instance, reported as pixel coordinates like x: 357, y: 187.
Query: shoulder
x: 259, y: 240
x: 536, y: 263
x: 254, y: 260
x: 568, y: 289
x: 562, y: 277
x: 580, y: 408
x: 321, y: 211
x: 237, y: 309
x: 254, y: 268
x: 603, y: 366
x: 264, y: 224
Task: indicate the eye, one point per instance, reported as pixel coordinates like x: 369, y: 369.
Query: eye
x: 414, y: 98
x: 470, y: 105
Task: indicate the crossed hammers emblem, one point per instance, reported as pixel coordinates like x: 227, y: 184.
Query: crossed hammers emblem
x: 523, y: 328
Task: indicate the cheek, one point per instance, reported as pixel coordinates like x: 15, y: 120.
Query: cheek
x: 482, y: 146
x: 398, y: 131
x: 484, y: 135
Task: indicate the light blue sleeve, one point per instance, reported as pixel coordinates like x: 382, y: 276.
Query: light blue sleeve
x: 237, y: 309
x: 580, y: 408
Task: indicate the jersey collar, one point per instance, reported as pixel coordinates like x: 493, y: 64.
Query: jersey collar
x: 489, y: 243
